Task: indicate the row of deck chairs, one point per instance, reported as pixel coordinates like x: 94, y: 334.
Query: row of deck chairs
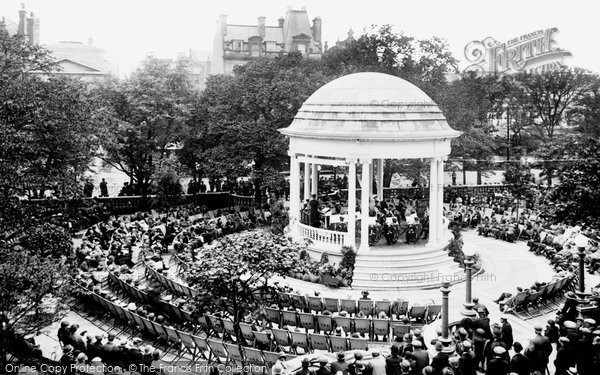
x: 186, y: 345
x: 529, y: 304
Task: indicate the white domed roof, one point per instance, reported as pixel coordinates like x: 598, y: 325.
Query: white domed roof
x: 370, y: 106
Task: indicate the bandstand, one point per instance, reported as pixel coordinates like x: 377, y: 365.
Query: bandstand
x: 358, y: 122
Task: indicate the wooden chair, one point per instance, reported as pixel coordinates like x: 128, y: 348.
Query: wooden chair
x: 318, y: 342
x: 307, y: 321
x: 366, y: 306
x: 338, y: 344
x: 358, y: 344
x: 400, y: 330
x: 315, y: 304
x: 384, y: 306
x: 348, y: 305
x: 381, y: 327
x: 300, y: 340
x: 332, y: 304
x: 325, y: 323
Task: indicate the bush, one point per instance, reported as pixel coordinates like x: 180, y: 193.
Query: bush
x: 48, y: 240
x: 348, y: 257
x: 324, y: 258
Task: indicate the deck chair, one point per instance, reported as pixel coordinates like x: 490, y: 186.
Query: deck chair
x: 216, y: 323
x: 271, y: 358
x: 307, y: 321
x: 381, y: 327
x: 229, y: 329
x: 400, y: 308
x: 161, y: 332
x: 384, y: 306
x: 253, y: 356
x: 362, y: 325
x: 203, y: 348
x: 348, y: 305
x: 315, y: 304
x: 366, y: 306
x: 247, y: 333
x: 319, y: 342
x: 273, y: 315
x: 344, y: 322
x: 299, y: 301
x: 218, y: 350
x: 433, y: 312
x: 285, y: 300
x: 263, y: 339
x: 289, y: 318
x: 358, y: 344
x: 417, y: 313
x: 325, y: 323
x: 300, y: 339
x: 204, y: 324
x: 281, y: 336
x: 188, y: 343
x: 332, y: 304
x: 400, y: 330
x: 516, y: 302
x: 235, y: 354
x: 338, y: 344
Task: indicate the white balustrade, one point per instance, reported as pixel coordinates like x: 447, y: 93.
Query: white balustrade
x: 320, y: 236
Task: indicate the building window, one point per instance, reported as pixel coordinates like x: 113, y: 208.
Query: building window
x: 237, y: 45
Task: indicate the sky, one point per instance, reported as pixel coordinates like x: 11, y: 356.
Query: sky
x: 129, y: 30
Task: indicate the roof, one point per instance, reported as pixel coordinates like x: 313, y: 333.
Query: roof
x: 244, y: 32
x: 10, y: 26
x: 370, y: 106
x: 296, y: 23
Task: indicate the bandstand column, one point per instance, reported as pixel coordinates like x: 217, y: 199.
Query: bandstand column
x: 380, y: 180
x: 440, y: 198
x: 433, y: 213
x: 306, y: 181
x: 351, y: 203
x: 364, y: 204
x: 294, y: 187
x: 315, y: 180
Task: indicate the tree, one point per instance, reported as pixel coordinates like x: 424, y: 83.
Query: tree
x: 468, y: 105
x: 34, y: 288
x: 585, y: 113
x: 46, y: 135
x: 142, y: 116
x: 235, y: 275
x: 234, y: 125
x: 518, y: 177
x: 576, y: 198
x: 424, y: 62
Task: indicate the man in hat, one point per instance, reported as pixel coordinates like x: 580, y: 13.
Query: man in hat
x: 506, y: 334
x: 552, y: 332
x: 340, y: 364
x: 539, y: 351
x: 281, y: 359
x: 467, y: 361
x: 377, y: 364
x: 565, y: 357
x: 418, y: 335
x: 481, y: 309
x: 63, y: 332
x: 498, y: 365
x: 357, y: 367
x: 305, y: 368
x: 440, y: 360
x: 96, y: 348
x: 421, y: 356
x: 67, y: 359
x: 519, y: 364
x: 323, y: 370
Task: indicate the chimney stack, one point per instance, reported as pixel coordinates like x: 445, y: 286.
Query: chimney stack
x: 316, y: 29
x: 280, y: 21
x: 223, y: 23
x: 33, y: 29
x: 22, y: 21
x: 261, y: 27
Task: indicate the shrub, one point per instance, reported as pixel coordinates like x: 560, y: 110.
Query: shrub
x: 324, y: 258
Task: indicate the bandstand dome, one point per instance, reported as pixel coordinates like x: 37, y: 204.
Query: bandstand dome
x: 370, y: 107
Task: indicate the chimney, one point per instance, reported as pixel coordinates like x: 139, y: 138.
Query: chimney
x: 280, y: 21
x: 22, y: 21
x: 223, y: 23
x: 261, y: 27
x: 316, y: 29
x: 33, y: 29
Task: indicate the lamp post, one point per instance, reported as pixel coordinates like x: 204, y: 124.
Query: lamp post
x: 581, y: 242
x: 445, y: 289
x: 506, y: 107
x: 469, y: 253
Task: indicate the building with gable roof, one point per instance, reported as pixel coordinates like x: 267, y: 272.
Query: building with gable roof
x: 239, y: 44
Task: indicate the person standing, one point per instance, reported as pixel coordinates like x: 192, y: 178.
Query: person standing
x: 519, y: 364
x: 506, y: 334
x: 313, y: 205
x: 103, y: 188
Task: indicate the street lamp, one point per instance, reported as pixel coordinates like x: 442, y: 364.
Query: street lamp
x: 506, y: 107
x: 469, y: 253
x: 581, y: 242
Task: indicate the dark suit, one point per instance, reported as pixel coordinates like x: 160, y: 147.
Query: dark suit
x: 497, y: 366
x: 520, y: 364
x: 421, y: 358
x: 507, y: 335
x: 439, y: 362
x: 392, y: 365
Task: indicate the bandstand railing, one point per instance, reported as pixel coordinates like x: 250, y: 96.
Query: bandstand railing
x: 325, y: 237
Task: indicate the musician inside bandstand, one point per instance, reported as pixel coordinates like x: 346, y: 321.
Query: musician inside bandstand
x: 392, y: 218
